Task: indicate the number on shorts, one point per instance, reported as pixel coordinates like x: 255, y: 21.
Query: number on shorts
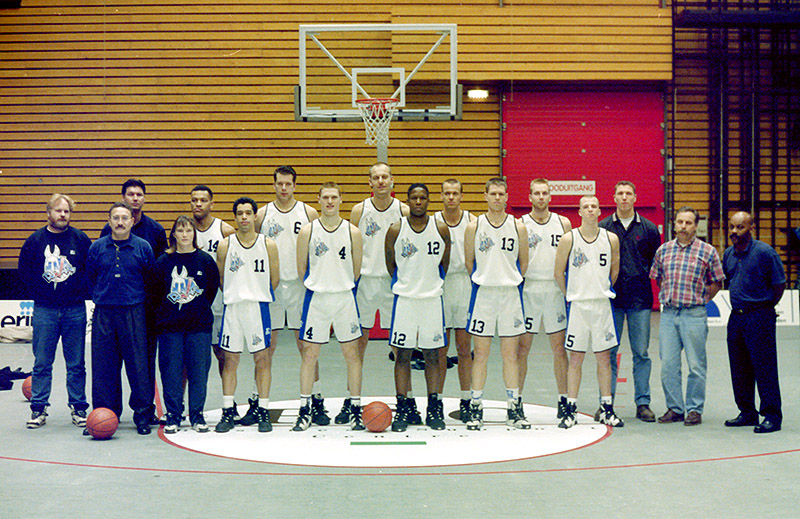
x: 225, y: 342
x: 569, y: 343
x: 529, y: 324
x: 398, y: 339
x: 310, y: 333
x: 477, y: 326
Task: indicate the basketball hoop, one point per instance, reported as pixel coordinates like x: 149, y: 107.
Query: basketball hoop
x: 377, y: 113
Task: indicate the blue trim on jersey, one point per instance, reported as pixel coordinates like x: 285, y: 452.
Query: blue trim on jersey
x: 266, y: 322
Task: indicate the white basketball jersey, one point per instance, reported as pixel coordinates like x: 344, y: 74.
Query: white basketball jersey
x: 373, y: 226
x: 496, y: 254
x: 246, y: 272
x: 330, y: 259
x: 283, y: 227
x: 542, y: 244
x: 589, y: 268
x: 208, y: 240
x: 418, y: 257
x: 456, y: 242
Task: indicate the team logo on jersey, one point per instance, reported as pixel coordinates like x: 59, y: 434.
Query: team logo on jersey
x: 485, y: 243
x: 579, y: 259
x: 182, y: 289
x: 57, y: 268
x: 236, y: 263
x: 534, y: 240
x: 371, y: 228
x: 273, y: 229
x: 320, y: 248
x: 407, y: 249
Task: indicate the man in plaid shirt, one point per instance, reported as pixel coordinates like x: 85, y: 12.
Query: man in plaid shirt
x: 689, y: 274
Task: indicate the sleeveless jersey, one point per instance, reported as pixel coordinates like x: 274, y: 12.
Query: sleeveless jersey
x: 456, y: 242
x: 542, y: 243
x: 208, y: 240
x: 373, y: 226
x: 283, y: 227
x: 496, y: 253
x: 246, y: 272
x: 418, y: 257
x: 330, y: 259
x: 589, y: 268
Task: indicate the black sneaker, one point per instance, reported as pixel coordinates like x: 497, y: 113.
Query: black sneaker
x: 598, y: 413
x: 434, y: 417
x: 143, y: 428
x: 344, y: 415
x: 264, y: 423
x: 251, y: 416
x: 356, y: 423
x: 515, y: 418
x: 199, y: 424
x: 173, y: 424
x: 475, y: 417
x: 520, y: 408
x: 463, y: 410
x: 400, y: 420
x: 562, y: 408
x: 412, y: 414
x: 304, y: 418
x: 225, y: 423
x: 608, y: 417
x: 319, y: 415
x: 570, y: 417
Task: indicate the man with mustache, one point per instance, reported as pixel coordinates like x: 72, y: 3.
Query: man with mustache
x: 689, y: 274
x: 756, y: 281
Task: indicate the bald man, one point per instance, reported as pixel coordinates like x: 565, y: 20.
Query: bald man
x: 756, y: 281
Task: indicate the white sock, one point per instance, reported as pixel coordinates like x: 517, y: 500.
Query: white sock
x: 466, y: 395
x: 227, y: 400
x: 263, y: 402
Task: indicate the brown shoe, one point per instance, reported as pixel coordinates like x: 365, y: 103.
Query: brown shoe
x: 645, y: 414
x: 670, y: 416
x: 693, y: 418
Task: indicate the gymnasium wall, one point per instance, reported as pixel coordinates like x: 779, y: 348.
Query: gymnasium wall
x: 199, y: 91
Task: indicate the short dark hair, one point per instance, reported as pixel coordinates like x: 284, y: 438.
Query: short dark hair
x: 133, y: 182
x: 625, y: 183
x: 201, y: 187
x: 244, y: 200
x: 285, y: 170
x: 126, y: 205
x: 688, y: 209
x: 419, y: 185
x: 496, y: 181
x: 173, y: 242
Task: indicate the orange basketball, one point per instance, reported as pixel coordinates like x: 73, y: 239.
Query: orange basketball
x: 26, y: 387
x: 377, y: 416
x: 102, y: 423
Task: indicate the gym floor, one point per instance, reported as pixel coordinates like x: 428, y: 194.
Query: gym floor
x: 641, y: 470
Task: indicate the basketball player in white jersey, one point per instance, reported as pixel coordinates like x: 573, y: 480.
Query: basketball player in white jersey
x: 249, y: 271
x: 496, y: 252
x: 373, y: 217
x: 417, y: 255
x: 281, y: 221
x: 457, y: 287
x: 329, y: 261
x: 587, y: 265
x: 542, y: 300
x: 210, y: 232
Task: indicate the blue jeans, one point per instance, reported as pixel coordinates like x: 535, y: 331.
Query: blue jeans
x: 639, y: 337
x: 683, y: 329
x: 192, y: 352
x: 50, y: 324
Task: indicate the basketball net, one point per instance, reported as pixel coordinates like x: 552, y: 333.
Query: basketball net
x: 377, y: 113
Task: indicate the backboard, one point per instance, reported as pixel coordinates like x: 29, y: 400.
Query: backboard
x: 415, y: 63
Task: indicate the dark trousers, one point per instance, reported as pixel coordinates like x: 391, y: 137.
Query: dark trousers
x: 119, y: 335
x: 754, y: 362
x: 189, y: 351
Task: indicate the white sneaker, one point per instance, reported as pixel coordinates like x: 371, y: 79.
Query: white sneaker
x: 38, y: 419
x: 78, y: 417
